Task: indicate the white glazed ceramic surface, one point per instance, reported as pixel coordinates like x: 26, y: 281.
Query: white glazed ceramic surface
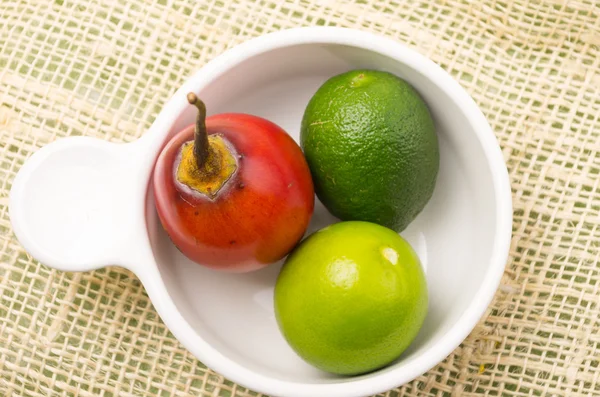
x: 80, y: 203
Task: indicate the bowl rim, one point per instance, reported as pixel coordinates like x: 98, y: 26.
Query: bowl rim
x: 376, y: 382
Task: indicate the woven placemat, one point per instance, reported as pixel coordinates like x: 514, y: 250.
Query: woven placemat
x: 105, y: 69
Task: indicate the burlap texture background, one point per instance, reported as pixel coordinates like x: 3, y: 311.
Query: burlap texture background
x: 105, y: 68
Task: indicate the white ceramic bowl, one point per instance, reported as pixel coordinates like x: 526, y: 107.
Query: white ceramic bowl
x: 80, y: 203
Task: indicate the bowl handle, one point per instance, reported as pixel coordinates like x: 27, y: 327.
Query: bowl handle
x: 77, y: 204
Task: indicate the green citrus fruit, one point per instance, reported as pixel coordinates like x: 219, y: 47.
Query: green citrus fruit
x: 371, y: 146
x: 351, y: 297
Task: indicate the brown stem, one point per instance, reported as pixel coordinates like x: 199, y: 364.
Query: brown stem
x: 200, y: 135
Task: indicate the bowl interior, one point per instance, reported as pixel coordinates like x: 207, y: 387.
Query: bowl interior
x: 453, y: 236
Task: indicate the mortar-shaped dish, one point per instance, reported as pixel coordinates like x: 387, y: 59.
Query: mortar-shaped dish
x: 80, y: 203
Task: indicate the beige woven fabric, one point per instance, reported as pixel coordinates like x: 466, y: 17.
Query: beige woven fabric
x: 105, y: 68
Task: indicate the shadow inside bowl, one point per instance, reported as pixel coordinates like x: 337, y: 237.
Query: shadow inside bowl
x: 453, y: 236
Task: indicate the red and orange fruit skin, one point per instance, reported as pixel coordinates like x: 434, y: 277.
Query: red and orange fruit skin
x: 260, y: 213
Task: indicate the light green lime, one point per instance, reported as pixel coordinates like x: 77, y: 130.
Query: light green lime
x: 351, y: 298
x: 371, y: 145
